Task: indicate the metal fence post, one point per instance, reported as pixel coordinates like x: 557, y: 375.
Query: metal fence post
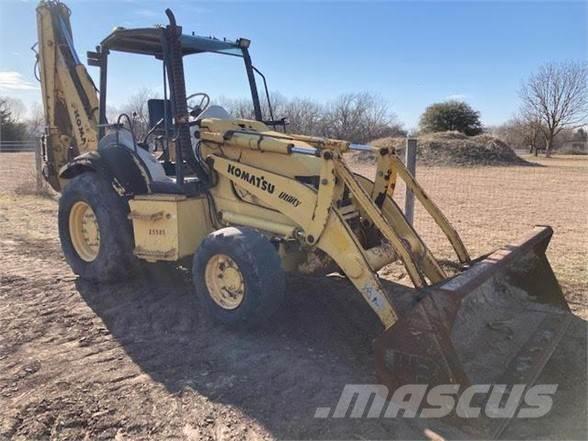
x: 410, y: 162
x: 38, y: 167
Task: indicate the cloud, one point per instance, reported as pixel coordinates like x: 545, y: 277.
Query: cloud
x: 15, y: 81
x: 457, y: 97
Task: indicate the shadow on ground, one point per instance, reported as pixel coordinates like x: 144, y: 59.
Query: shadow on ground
x: 281, y: 373
x: 320, y: 340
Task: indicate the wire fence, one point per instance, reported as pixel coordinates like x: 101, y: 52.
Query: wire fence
x: 18, y: 146
x: 20, y: 167
x: 489, y: 206
x: 493, y: 206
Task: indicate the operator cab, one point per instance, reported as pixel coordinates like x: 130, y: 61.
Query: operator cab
x: 168, y: 154
x: 159, y: 143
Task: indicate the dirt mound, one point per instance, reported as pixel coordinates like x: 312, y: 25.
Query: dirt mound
x: 454, y: 148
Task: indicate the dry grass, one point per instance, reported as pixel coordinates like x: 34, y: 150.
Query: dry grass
x: 16, y: 170
x: 491, y: 206
x: 18, y: 175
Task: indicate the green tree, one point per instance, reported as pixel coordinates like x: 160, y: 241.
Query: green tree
x: 451, y: 115
x: 10, y: 128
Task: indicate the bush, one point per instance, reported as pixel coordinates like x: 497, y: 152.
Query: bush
x: 451, y: 116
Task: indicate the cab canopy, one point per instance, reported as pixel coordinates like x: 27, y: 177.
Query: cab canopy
x: 150, y: 41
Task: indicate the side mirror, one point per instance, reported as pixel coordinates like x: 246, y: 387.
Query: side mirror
x: 158, y: 109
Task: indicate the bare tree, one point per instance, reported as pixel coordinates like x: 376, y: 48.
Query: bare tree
x: 35, y: 123
x: 522, y: 131
x: 136, y: 108
x: 557, y: 95
x: 531, y: 128
x: 304, y: 116
x: 17, y: 108
x: 359, y: 117
x: 241, y: 108
x: 112, y: 113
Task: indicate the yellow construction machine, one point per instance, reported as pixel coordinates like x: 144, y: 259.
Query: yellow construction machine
x: 250, y: 201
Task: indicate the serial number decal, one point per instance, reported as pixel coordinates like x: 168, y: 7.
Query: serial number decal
x: 293, y: 200
x: 156, y: 232
x: 259, y: 181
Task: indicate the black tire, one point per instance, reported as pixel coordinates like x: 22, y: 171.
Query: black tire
x: 260, y: 266
x: 115, y: 260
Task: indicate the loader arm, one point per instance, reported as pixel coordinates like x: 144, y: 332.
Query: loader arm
x: 499, y: 320
x: 320, y: 223
x: 70, y: 101
x: 311, y: 212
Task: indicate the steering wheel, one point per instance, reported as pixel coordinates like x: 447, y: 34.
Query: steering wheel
x: 202, y: 105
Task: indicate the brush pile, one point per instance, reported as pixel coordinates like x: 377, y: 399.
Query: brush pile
x: 453, y: 149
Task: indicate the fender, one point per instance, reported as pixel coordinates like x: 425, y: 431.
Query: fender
x: 117, y: 165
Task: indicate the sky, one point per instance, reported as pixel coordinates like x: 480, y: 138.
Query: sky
x: 410, y: 53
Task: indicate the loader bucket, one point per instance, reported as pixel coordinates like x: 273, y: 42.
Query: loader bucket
x: 498, y: 322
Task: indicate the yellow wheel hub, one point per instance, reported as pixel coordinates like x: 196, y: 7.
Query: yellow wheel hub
x: 224, y: 281
x: 84, y: 231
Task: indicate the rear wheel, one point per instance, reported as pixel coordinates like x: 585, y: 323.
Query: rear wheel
x: 95, y: 233
x: 84, y: 231
x: 237, y: 272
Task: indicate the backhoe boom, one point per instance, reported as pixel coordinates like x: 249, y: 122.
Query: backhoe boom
x: 69, y: 96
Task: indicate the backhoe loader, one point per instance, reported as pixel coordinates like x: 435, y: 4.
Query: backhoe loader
x: 250, y: 201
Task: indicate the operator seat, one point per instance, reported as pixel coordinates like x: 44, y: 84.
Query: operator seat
x: 137, y: 170
x: 141, y: 170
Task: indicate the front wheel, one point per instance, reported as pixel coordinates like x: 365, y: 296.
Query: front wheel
x: 237, y: 272
x: 96, y: 235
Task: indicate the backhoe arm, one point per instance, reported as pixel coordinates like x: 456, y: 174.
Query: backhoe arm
x: 70, y: 101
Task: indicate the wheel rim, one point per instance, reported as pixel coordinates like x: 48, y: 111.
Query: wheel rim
x: 224, y: 281
x: 84, y: 231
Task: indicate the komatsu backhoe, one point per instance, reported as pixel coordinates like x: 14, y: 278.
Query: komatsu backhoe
x: 250, y: 201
